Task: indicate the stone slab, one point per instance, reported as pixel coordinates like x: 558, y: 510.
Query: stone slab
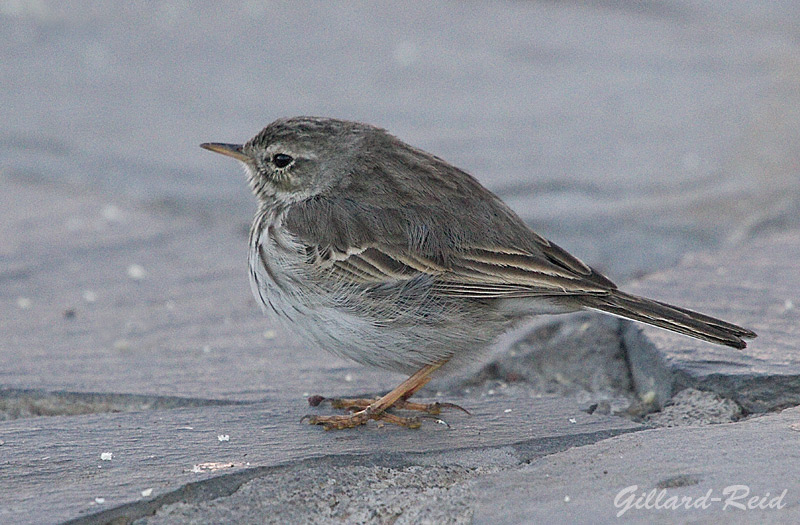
x: 56, y: 470
x: 581, y: 485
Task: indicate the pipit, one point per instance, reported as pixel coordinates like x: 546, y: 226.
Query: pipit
x: 385, y: 254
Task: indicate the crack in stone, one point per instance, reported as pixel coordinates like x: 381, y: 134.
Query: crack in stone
x: 23, y: 403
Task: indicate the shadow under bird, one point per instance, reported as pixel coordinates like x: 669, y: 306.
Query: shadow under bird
x: 385, y: 254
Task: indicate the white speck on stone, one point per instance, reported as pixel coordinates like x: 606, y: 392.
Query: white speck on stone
x: 348, y: 378
x: 507, y: 411
x: 197, y: 469
x: 788, y: 305
x: 106, y: 456
x: 269, y: 334
x: 112, y: 213
x: 23, y: 303
x: 136, y: 272
x: 206, y: 349
x: 306, y: 394
x: 566, y: 499
x: 99, y: 501
x: 491, y: 392
x: 224, y: 437
x: 147, y: 492
x: 89, y: 296
x: 573, y: 420
x: 649, y: 397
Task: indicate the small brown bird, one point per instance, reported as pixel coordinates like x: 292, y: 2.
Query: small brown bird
x: 388, y: 255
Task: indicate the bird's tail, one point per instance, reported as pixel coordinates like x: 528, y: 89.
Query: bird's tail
x: 672, y: 318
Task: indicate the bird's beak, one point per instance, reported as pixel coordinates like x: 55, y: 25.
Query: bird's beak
x: 231, y: 150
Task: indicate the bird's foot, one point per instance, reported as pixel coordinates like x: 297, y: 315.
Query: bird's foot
x: 360, y: 418
x: 365, y: 409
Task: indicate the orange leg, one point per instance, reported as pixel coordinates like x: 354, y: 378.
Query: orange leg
x: 366, y: 409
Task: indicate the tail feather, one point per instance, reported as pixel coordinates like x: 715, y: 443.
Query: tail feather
x: 672, y: 318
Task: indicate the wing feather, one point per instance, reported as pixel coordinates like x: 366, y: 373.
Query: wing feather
x: 480, y: 273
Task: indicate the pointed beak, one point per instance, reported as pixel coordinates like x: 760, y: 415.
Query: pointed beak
x: 231, y: 150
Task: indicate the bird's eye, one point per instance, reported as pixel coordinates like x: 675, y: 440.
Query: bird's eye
x: 281, y: 160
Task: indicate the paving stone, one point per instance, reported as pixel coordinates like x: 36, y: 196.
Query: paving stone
x: 758, y: 457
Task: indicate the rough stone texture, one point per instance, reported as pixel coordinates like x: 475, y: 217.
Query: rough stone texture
x: 353, y: 494
x: 579, y: 356
x: 693, y: 407
x: 755, y: 285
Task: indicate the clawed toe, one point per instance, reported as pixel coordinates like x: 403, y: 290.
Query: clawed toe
x: 364, y: 409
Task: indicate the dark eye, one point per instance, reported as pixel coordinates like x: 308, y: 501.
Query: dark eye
x: 281, y: 160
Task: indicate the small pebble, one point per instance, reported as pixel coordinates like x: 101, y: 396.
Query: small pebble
x: 106, y: 456
x: 23, y: 303
x: 224, y: 437
x: 147, y: 492
x: 112, y: 213
x: 648, y: 397
x: 136, y: 272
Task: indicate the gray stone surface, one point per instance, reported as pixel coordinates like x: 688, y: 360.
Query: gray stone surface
x: 580, y: 485
x: 57, y: 469
x: 756, y: 285
x: 636, y: 123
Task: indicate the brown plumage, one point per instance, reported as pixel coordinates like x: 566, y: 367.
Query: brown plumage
x: 390, y: 256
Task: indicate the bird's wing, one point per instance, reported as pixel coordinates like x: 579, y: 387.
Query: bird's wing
x: 470, y: 271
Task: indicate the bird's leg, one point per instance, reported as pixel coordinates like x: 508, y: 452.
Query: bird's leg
x: 434, y: 408
x: 367, y: 409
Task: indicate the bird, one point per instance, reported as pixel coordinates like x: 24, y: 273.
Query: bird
x: 385, y: 254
